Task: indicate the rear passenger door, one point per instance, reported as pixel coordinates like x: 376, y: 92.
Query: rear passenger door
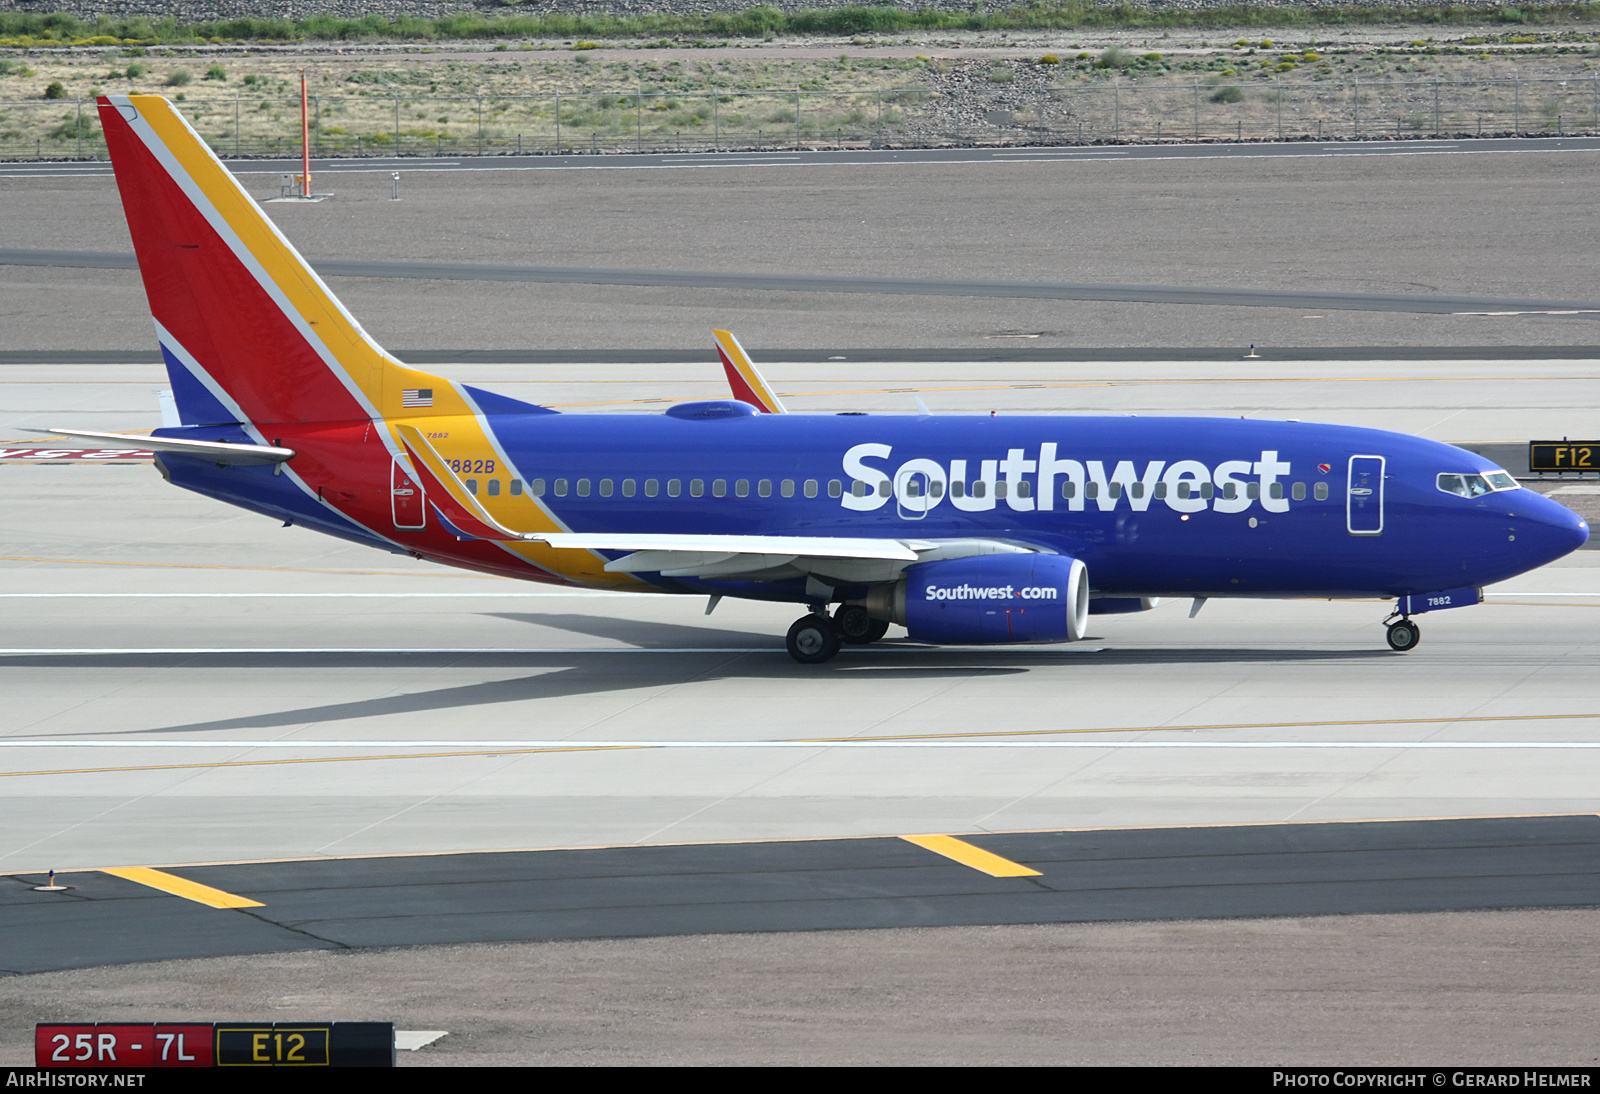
x: 406, y: 499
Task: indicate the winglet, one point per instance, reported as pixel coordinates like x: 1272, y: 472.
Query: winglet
x: 455, y: 504
x: 747, y: 384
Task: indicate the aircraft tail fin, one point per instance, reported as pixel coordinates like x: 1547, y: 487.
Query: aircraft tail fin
x: 249, y: 331
x: 747, y: 383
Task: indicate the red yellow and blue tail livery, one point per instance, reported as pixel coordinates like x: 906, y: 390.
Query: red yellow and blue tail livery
x: 961, y: 529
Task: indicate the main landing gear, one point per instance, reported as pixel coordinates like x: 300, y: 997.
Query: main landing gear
x: 857, y: 627
x: 814, y: 638
x: 1404, y: 634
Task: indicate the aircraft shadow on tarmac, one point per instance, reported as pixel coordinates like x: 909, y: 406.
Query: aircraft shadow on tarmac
x: 571, y: 673
x: 635, y: 632
x: 1000, y: 658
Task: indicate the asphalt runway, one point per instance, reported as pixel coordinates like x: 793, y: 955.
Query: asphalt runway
x: 801, y: 885
x: 1215, y: 231
x: 880, y: 286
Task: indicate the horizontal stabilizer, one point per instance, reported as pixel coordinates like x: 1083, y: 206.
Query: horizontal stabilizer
x: 213, y: 451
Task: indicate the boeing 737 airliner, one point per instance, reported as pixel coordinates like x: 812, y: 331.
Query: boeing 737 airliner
x: 960, y: 529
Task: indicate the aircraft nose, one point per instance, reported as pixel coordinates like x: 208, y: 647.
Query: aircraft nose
x: 1553, y: 529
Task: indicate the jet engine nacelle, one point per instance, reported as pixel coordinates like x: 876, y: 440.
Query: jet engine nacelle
x: 989, y: 599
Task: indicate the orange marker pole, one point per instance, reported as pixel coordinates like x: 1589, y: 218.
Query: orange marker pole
x: 305, y: 140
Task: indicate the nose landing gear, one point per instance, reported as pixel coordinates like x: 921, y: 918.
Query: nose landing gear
x: 1404, y: 634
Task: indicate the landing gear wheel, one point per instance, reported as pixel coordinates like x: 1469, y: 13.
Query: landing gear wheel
x: 813, y: 639
x: 858, y: 628
x: 1404, y: 635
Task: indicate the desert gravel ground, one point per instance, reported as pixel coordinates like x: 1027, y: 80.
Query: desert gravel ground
x: 1483, y: 988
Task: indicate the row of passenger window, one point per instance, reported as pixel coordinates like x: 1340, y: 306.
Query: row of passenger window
x: 1069, y: 489
x: 652, y: 488
x: 811, y: 487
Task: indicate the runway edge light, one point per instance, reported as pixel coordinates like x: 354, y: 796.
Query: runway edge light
x: 50, y: 886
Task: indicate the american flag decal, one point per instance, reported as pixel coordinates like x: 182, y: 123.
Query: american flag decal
x: 419, y: 396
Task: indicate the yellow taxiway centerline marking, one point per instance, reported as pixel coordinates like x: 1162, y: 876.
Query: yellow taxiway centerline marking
x: 985, y: 862
x: 177, y: 886
x: 1221, y: 725
x: 328, y: 760
x: 578, y: 747
x: 264, y: 569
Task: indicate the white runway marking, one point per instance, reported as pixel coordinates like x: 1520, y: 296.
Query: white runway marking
x: 197, y: 651
x: 229, y: 650
x: 550, y: 651
x: 1060, y: 152
x: 393, y: 162
x: 734, y: 157
x: 445, y: 596
x: 802, y: 743
x: 313, y: 596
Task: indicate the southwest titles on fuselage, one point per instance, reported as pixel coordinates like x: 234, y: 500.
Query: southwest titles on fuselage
x: 1037, y: 484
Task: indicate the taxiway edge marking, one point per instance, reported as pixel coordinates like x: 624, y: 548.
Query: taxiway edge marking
x: 967, y: 854
x: 177, y: 886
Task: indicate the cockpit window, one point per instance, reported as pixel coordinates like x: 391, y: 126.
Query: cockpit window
x: 1476, y: 485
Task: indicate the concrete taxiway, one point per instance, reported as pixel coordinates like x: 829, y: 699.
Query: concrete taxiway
x: 188, y: 683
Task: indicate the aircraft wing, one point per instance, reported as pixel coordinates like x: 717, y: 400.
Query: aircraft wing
x: 843, y: 559
x: 214, y: 451
x: 656, y: 543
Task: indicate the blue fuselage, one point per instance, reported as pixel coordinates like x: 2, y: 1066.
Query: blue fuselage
x: 1153, y: 506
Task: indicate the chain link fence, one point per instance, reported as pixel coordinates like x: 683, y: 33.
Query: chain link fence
x: 398, y: 125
